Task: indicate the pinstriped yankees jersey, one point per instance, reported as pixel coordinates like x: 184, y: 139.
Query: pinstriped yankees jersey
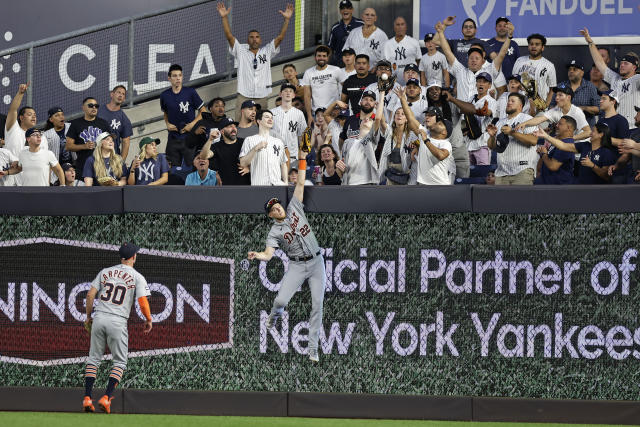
x: 118, y: 287
x: 254, y: 71
x: 293, y: 235
x: 628, y: 92
x: 265, y: 165
x: 541, y: 70
x: 371, y: 46
x: 288, y: 126
x: 517, y: 157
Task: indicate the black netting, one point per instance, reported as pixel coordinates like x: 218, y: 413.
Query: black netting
x: 460, y: 304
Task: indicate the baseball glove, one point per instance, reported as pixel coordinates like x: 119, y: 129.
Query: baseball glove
x: 305, y: 145
x: 386, y: 85
x: 106, y: 181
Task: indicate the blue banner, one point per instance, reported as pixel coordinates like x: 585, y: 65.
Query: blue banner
x: 553, y: 18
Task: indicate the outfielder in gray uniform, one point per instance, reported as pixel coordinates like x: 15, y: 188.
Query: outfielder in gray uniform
x: 292, y: 233
x: 116, y: 288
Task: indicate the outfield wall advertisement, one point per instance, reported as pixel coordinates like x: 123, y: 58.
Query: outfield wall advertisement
x: 542, y: 306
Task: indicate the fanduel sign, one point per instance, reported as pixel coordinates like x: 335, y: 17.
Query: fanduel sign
x: 553, y: 18
x: 44, y: 283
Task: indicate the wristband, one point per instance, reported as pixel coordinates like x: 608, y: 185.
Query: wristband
x: 302, y: 164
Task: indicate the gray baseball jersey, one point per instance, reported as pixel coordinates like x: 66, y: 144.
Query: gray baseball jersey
x: 293, y: 235
x: 295, y: 238
x: 118, y: 286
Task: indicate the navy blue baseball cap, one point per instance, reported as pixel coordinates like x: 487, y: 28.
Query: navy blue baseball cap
x: 484, y: 75
x: 434, y: 111
x: 369, y: 93
x: 412, y: 67
x: 269, y: 204
x: 576, y: 64
x: 413, y: 82
x: 348, y: 51
x: 30, y: 132
x: 226, y: 121
x: 344, y: 113
x: 248, y: 104
x: 286, y: 85
x: 128, y: 250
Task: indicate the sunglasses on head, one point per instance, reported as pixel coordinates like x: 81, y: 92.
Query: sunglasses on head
x: 272, y: 202
x: 93, y: 105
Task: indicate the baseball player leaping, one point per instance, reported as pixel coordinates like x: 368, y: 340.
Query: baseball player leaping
x: 292, y: 233
x: 116, y: 288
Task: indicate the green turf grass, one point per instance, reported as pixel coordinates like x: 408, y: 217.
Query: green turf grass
x: 57, y: 419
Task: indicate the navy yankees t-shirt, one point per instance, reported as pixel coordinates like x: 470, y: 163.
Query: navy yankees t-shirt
x: 562, y: 176
x: 151, y: 170
x: 181, y: 108
x: 119, y: 124
x: 600, y: 157
x: 90, y: 172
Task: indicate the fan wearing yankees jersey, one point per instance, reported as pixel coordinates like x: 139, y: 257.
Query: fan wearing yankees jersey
x: 253, y: 60
x: 368, y: 39
x: 289, y: 123
x: 484, y: 106
x: 517, y: 156
x: 626, y: 83
x: 539, y: 68
x: 513, y: 85
x: 292, y: 233
x: 564, y: 107
x: 433, y: 64
x: 414, y: 99
x: 359, y: 165
x: 340, y: 31
x: 265, y: 154
x: 401, y: 50
x: 383, y: 67
x: 118, y: 121
x: 149, y: 168
x: 476, y: 64
x: 434, y: 161
x: 321, y: 82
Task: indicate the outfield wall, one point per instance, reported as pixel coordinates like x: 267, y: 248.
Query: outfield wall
x: 539, y: 306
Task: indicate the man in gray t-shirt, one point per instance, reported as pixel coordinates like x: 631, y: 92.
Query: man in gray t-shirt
x: 292, y: 233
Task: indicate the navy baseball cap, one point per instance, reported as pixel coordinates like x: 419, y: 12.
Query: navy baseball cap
x: 502, y: 141
x: 449, y: 126
x: 287, y: 86
x: 484, y: 75
x: 412, y: 67
x: 477, y: 50
x: 369, y: 93
x: 502, y: 19
x: 345, y: 4
x: 429, y: 37
x: 610, y: 93
x: 54, y: 110
x: 226, y: 121
x: 575, y: 63
x: 383, y: 63
x: 269, y: 204
x: 128, y: 250
x: 248, y: 104
x: 348, y: 51
x: 515, y: 77
x: 631, y: 59
x: 413, y: 82
x: 344, y: 113
x: 434, y: 111
x: 564, y: 88
x: 30, y: 132
x: 637, y: 109
x: 67, y: 166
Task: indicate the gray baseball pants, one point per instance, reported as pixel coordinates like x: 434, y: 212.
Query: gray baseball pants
x: 109, y: 330
x: 298, y: 272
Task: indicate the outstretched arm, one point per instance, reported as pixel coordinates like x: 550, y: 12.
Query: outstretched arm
x: 298, y: 191
x: 497, y: 61
x: 444, y: 44
x: 288, y: 12
x: 265, y: 255
x: 560, y: 145
x: 593, y: 50
x: 224, y: 14
x: 414, y: 124
x: 12, y: 114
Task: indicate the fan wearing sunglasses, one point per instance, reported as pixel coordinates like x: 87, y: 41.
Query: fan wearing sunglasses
x: 83, y: 133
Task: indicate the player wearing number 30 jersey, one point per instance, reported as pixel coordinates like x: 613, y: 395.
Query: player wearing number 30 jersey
x: 291, y: 233
x: 116, y: 289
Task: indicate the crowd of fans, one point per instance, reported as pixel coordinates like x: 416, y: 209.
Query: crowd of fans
x: 379, y: 110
